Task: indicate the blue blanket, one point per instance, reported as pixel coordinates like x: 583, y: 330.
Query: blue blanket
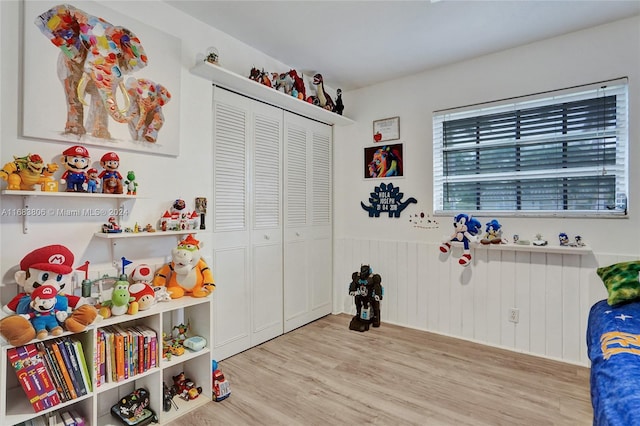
x: 613, y: 342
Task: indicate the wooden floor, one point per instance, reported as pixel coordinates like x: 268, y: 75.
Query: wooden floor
x: 325, y: 374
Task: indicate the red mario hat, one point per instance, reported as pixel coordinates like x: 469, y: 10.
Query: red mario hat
x: 110, y: 156
x: 76, y: 151
x: 44, y: 292
x: 54, y: 258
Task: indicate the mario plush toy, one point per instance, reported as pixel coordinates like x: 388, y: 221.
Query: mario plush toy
x: 44, y: 315
x: 188, y: 273
x: 50, y: 265
x: 76, y: 161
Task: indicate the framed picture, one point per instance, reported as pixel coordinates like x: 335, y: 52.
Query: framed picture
x: 69, y: 95
x: 381, y: 162
x: 387, y: 129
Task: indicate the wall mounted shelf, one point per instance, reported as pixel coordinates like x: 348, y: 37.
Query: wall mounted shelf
x: 243, y: 85
x: 556, y: 249
x: 117, y: 235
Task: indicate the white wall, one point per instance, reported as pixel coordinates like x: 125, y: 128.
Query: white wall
x: 428, y: 291
x: 161, y: 179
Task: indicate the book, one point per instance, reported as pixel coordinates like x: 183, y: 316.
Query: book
x: 67, y: 419
x: 42, y: 379
x: 82, y: 362
x: 55, y: 377
x: 75, y: 366
x: 77, y: 418
x: 72, y: 366
x: 63, y: 368
x: 22, y: 371
x: 57, y: 372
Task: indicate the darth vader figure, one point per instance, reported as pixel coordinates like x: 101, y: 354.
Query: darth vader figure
x: 367, y: 289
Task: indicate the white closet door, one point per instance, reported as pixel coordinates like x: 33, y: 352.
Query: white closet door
x: 247, y: 223
x: 307, y: 227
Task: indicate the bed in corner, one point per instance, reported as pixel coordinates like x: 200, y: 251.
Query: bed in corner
x: 613, y: 343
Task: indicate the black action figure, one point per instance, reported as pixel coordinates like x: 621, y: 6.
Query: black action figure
x: 367, y: 289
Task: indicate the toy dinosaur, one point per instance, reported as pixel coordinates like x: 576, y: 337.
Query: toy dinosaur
x: 324, y: 100
x: 23, y: 173
x: 298, y: 84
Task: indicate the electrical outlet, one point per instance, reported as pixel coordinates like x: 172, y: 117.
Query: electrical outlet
x: 514, y: 315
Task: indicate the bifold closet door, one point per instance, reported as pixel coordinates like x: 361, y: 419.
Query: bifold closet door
x: 247, y: 223
x: 307, y: 223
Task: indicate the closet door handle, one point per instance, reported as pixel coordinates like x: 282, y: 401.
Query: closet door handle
x: 298, y: 234
x: 266, y: 237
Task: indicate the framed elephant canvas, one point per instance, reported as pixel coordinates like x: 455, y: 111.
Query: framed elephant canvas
x: 96, y: 76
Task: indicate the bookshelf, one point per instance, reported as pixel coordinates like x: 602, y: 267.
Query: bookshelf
x: 95, y: 405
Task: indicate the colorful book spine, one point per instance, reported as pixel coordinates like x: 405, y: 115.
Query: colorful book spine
x: 58, y: 372
x: 49, y: 365
x: 72, y: 372
x: 63, y: 368
x: 22, y: 371
x: 42, y: 378
x: 75, y: 366
x: 84, y: 370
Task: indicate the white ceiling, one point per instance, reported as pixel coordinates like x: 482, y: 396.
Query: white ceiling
x: 360, y: 43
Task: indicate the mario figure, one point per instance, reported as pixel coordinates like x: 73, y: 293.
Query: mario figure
x: 111, y: 178
x: 53, y: 266
x: 44, y: 316
x: 93, y: 181
x: 76, y: 160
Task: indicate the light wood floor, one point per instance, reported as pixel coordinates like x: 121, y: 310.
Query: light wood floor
x: 325, y: 374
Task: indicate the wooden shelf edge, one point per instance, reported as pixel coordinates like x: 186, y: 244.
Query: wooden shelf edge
x: 243, y: 85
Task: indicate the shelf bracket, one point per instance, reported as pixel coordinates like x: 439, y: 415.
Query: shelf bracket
x: 25, y: 209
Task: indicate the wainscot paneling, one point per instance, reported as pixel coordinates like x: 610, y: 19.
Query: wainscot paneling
x: 427, y: 290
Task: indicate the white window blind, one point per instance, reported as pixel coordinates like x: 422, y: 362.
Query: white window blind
x: 558, y: 153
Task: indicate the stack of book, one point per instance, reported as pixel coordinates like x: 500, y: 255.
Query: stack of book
x: 123, y: 352
x: 51, y: 372
x: 58, y: 418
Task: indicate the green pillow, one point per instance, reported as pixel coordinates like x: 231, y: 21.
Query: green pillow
x: 622, y: 281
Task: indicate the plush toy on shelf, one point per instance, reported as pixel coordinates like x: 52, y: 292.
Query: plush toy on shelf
x: 76, y: 161
x: 466, y: 229
x: 187, y: 273
x: 141, y: 290
x: 93, y: 181
x: 111, y: 177
x: 44, y: 316
x: 25, y: 173
x: 493, y: 233
x: 48, y: 265
x: 120, y: 301
x: 323, y: 98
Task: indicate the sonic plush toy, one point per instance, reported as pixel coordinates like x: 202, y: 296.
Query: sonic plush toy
x: 466, y: 228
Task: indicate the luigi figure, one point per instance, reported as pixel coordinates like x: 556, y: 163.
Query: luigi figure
x: 367, y: 289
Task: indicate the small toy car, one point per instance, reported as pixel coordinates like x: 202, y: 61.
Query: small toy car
x: 221, y: 388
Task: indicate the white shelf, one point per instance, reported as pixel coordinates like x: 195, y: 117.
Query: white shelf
x: 66, y: 194
x: 116, y: 235
x: 529, y: 247
x: 243, y: 85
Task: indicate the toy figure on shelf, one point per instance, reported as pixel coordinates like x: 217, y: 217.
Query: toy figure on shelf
x: 563, y: 238
x: 185, y: 387
x: 120, y: 300
x: 24, y: 173
x: 111, y: 227
x: 539, y: 241
x: 43, y: 315
x: 132, y: 185
x: 76, y: 161
x: 578, y: 242
x: 323, y: 98
x: 111, y: 178
x: 179, y: 218
x: 367, y: 289
x: 493, y: 233
x: 298, y: 85
x: 466, y: 229
x: 48, y: 265
x: 201, y: 209
x: 339, y: 107
x: 93, y: 181
x: 187, y: 273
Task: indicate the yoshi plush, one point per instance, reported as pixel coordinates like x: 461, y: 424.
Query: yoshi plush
x: 120, y: 298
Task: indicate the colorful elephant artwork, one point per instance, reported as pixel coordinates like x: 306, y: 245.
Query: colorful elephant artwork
x: 95, y: 57
x: 145, y: 110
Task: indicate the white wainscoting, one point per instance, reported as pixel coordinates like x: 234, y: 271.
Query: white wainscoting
x: 427, y: 290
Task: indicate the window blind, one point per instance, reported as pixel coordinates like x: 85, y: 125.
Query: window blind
x: 559, y: 154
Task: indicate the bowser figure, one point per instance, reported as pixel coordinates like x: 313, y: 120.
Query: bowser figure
x: 367, y: 289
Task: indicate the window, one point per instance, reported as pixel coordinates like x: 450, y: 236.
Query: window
x: 561, y: 153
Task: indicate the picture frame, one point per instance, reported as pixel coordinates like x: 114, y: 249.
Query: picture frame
x: 383, y: 161
x: 386, y: 129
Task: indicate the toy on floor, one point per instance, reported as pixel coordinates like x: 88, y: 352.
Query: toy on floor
x: 367, y: 289
x: 466, y: 229
x: 221, y: 388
